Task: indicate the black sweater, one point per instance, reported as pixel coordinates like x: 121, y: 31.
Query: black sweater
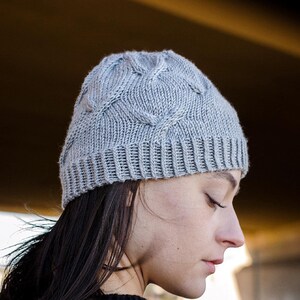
x: 117, y: 297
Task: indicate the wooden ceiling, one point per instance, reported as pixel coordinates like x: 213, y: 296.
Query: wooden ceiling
x: 49, y: 46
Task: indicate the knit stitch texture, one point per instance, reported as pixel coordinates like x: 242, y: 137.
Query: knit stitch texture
x: 142, y: 115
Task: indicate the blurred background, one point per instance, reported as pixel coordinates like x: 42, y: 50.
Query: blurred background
x: 249, y: 49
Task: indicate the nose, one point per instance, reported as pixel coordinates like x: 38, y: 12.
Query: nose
x: 230, y: 233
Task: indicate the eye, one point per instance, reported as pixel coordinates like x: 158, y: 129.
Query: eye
x: 213, y: 203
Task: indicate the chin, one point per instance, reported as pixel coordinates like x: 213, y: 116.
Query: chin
x: 190, y: 290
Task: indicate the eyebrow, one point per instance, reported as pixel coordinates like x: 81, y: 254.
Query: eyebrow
x: 227, y: 176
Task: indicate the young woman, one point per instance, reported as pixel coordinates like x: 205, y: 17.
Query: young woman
x: 152, y: 160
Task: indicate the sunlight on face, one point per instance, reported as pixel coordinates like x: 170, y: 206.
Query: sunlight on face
x: 182, y: 228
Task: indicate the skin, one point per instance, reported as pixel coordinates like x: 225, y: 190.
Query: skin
x: 176, y: 230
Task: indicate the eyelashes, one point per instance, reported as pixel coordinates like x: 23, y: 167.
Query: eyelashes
x: 213, y: 203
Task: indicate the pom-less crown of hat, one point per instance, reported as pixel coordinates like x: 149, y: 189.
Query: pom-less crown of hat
x: 143, y: 115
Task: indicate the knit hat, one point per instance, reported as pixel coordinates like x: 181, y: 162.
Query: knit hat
x: 143, y: 115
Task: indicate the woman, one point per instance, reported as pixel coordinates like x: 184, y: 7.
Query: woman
x: 152, y: 160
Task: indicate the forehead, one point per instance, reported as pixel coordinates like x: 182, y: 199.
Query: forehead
x: 232, y: 177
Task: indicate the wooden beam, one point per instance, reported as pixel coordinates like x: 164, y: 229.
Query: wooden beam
x: 246, y: 20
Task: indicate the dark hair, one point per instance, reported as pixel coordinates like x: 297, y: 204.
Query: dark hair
x: 77, y: 254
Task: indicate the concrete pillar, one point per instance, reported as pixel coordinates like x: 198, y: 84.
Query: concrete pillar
x: 275, y: 272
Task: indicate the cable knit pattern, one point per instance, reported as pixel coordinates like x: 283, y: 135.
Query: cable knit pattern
x: 143, y: 115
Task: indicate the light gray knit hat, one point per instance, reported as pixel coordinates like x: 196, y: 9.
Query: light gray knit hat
x: 143, y: 115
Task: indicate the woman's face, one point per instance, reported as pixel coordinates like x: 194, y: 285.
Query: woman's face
x: 179, y: 234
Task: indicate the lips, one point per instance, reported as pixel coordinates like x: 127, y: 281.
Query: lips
x: 211, y: 264
x: 217, y: 261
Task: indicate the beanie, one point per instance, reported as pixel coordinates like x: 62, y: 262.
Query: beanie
x: 142, y: 115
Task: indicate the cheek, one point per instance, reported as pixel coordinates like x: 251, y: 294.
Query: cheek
x: 191, y: 233
x: 176, y: 258
x: 180, y: 222
x: 172, y: 248
x: 182, y: 239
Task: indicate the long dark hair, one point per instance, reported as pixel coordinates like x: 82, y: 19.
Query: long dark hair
x: 77, y: 254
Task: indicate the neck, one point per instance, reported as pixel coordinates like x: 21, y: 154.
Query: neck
x: 129, y: 281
